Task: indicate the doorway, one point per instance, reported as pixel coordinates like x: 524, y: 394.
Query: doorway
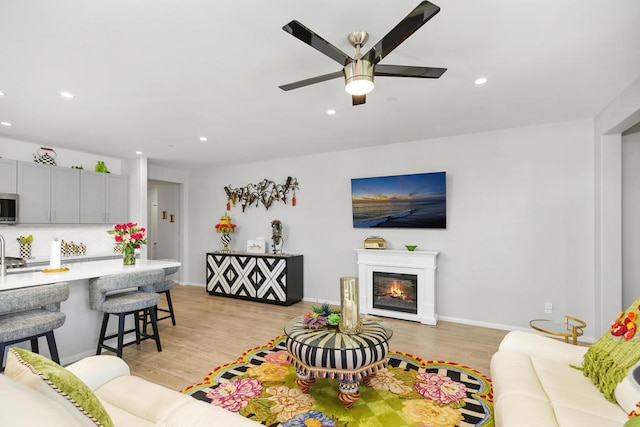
x: 164, y: 221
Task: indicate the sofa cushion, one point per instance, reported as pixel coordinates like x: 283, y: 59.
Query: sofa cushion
x: 608, y: 360
x: 23, y: 406
x: 627, y: 395
x: 132, y: 397
x: 531, y: 374
x: 59, y: 384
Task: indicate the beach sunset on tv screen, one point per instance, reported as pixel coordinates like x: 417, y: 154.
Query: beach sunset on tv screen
x: 401, y: 201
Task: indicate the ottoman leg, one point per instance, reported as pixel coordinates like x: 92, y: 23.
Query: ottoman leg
x: 304, y: 381
x: 348, y: 393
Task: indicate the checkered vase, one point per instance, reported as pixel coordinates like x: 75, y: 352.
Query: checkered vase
x: 25, y: 250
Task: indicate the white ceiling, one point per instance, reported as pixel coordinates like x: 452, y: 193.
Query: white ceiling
x: 155, y: 75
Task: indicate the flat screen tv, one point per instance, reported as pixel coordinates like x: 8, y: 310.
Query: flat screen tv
x: 400, y: 201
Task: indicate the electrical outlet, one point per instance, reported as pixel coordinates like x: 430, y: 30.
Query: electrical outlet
x: 548, y: 307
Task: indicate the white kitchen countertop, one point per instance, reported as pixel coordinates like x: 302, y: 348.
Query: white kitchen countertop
x: 22, y: 278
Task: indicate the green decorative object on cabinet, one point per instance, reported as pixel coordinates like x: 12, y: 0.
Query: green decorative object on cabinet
x: 101, y: 167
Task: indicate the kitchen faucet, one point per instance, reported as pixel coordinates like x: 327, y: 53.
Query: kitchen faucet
x: 3, y: 269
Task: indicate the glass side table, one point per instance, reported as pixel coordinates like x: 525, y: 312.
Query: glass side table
x: 572, y: 327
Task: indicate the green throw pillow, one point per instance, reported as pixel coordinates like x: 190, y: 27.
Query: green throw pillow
x: 608, y: 360
x: 33, y: 370
x: 633, y: 422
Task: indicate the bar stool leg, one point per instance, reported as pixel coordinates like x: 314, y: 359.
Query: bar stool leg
x: 154, y: 324
x: 121, y: 317
x: 136, y: 322
x: 34, y: 345
x: 103, y: 332
x: 170, y: 305
x: 2, y: 348
x: 53, y: 349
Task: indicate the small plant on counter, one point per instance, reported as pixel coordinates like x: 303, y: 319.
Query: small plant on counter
x: 25, y: 240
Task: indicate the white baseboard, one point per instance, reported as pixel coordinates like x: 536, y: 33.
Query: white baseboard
x: 198, y: 285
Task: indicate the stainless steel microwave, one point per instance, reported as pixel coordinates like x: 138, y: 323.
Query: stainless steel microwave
x: 8, y: 208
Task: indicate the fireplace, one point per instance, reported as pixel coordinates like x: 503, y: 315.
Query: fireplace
x: 399, y: 284
x: 395, y: 291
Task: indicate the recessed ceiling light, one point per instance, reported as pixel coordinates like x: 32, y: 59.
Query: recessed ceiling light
x: 5, y: 124
x: 480, y: 81
x: 203, y: 138
x: 1, y: 93
x: 331, y: 112
x: 67, y: 95
x: 138, y: 152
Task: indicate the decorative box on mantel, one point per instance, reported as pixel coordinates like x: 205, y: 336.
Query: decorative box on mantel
x: 399, y: 284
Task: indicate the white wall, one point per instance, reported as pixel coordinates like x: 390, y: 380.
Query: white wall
x: 520, y: 219
x: 630, y: 218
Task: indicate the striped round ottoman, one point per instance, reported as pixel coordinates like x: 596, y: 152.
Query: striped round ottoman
x: 328, y: 353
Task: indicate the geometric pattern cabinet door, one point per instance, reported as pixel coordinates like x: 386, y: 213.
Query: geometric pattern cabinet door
x: 274, y: 279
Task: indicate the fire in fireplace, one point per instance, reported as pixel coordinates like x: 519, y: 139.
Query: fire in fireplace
x: 395, y: 292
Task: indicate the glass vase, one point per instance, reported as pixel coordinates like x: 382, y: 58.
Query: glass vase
x: 226, y: 239
x: 128, y: 255
x: 350, y: 306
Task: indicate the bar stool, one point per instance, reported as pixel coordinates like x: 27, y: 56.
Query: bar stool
x: 27, y: 314
x: 163, y: 287
x: 104, y: 297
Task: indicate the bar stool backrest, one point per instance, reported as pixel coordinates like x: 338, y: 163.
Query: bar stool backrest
x: 101, y: 286
x: 168, y: 271
x: 47, y: 297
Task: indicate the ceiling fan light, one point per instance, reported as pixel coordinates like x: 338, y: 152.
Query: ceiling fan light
x: 358, y: 77
x: 361, y: 85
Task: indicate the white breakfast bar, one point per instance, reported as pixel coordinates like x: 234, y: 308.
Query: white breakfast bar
x: 78, y: 337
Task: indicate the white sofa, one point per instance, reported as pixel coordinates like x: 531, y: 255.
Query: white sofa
x: 534, y: 385
x: 129, y: 400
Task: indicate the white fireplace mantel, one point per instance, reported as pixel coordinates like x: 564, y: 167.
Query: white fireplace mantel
x: 423, y: 264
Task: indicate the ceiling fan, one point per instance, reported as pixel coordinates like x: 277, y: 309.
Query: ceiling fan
x: 359, y: 71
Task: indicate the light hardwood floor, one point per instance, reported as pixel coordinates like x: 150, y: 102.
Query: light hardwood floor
x: 212, y: 331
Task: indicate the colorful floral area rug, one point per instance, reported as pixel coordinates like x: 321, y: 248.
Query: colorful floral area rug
x: 261, y: 386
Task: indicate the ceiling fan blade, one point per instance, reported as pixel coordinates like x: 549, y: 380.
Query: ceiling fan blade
x: 408, y: 71
x: 358, y: 99
x: 307, y: 36
x: 312, y: 80
x: 409, y: 25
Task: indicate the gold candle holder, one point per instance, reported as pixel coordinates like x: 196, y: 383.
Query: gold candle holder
x: 350, y: 306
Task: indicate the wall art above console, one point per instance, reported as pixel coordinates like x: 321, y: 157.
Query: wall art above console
x: 265, y: 192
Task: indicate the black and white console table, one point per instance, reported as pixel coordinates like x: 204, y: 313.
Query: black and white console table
x: 274, y: 279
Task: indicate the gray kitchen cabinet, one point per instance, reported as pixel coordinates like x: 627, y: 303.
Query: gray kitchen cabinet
x: 8, y: 176
x: 65, y: 196
x: 34, y: 188
x: 48, y: 194
x: 117, y: 199
x: 104, y: 198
